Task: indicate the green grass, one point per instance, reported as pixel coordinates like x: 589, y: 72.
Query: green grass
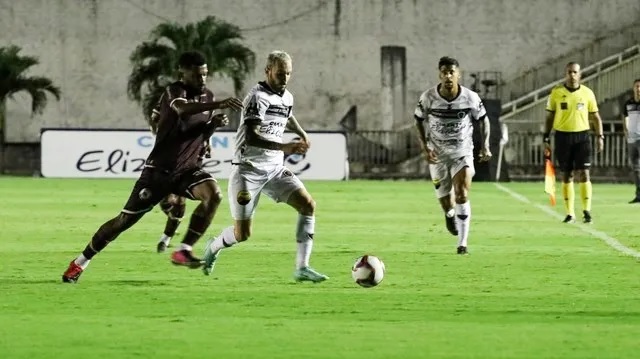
x: 531, y: 288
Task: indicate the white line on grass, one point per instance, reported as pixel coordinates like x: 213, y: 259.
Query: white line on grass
x: 610, y: 241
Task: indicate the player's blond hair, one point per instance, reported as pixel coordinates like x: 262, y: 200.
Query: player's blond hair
x: 275, y: 56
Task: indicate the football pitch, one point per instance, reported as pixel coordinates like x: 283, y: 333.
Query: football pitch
x: 532, y: 287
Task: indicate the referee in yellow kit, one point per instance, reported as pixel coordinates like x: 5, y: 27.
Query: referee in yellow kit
x: 570, y: 108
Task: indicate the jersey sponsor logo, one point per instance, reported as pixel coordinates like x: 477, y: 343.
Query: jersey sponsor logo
x: 279, y: 111
x: 564, y: 105
x: 273, y: 128
x: 449, y: 128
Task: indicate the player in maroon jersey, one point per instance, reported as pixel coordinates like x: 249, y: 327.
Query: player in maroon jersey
x: 173, y: 206
x: 173, y: 166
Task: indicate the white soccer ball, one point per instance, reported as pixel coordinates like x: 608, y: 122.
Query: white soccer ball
x: 368, y: 271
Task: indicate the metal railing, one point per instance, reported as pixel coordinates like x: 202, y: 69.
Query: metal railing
x: 547, y: 72
x: 607, y: 78
x: 526, y: 149
x: 382, y: 147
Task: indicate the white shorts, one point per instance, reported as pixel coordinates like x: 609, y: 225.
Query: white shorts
x: 246, y: 183
x: 442, y: 173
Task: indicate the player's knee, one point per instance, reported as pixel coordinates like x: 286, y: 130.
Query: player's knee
x: 212, y: 200
x: 307, y: 207
x: 125, y: 221
x: 461, y: 197
x: 177, y: 211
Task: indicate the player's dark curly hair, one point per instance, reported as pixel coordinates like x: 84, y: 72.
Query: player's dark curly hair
x: 448, y: 61
x: 191, y: 59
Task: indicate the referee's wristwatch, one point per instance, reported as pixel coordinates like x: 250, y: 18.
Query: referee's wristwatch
x: 600, y: 137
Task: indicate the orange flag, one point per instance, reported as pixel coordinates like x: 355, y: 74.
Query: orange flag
x: 549, y: 177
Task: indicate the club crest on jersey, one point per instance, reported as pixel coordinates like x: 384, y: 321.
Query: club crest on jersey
x: 144, y: 194
x: 243, y: 197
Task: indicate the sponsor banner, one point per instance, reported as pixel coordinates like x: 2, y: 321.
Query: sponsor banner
x: 122, y: 153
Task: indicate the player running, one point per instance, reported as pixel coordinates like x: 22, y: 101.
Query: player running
x: 172, y: 166
x: 444, y: 117
x: 259, y: 168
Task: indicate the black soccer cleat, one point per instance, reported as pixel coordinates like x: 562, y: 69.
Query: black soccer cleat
x: 569, y: 219
x: 161, y: 247
x: 586, y: 218
x: 635, y: 200
x: 462, y: 250
x: 451, y: 225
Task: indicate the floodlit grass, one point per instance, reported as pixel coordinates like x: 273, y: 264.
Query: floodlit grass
x: 531, y: 288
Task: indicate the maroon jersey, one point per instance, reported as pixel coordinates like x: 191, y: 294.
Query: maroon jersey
x: 180, y: 140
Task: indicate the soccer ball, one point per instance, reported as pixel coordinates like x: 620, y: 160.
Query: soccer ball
x: 368, y: 271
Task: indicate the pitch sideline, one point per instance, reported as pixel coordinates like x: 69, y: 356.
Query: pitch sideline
x: 610, y: 241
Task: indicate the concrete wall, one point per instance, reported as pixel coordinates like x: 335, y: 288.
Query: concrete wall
x: 84, y: 46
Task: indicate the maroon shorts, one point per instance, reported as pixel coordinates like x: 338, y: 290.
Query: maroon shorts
x: 155, y: 184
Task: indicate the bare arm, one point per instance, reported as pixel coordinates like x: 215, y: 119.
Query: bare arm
x: 184, y: 108
x: 594, y: 117
x: 548, y: 124
x: 294, y: 126
x: 153, y: 121
x: 625, y: 125
x: 485, y: 127
x: 422, y: 133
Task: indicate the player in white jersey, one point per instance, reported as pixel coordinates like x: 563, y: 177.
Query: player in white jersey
x: 444, y: 120
x: 258, y: 167
x: 631, y: 122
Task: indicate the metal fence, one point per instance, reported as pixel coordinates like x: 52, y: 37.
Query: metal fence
x: 526, y: 149
x: 382, y: 147
x: 395, y: 154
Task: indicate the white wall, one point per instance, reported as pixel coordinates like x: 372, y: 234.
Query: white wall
x: 84, y: 47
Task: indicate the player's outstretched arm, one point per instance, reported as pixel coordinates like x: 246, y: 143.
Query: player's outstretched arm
x: 184, y: 108
x: 294, y: 126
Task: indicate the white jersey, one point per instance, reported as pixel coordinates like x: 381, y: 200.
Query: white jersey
x: 449, y: 124
x: 631, y: 110
x: 272, y: 111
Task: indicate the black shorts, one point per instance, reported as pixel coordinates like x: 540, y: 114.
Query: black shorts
x: 155, y: 184
x: 573, y: 150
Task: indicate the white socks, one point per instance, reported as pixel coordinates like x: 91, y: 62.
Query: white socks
x: 227, y: 238
x: 165, y: 239
x: 304, y: 238
x: 82, y: 261
x: 463, y: 221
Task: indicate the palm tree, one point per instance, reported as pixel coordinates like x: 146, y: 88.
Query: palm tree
x: 155, y: 61
x: 13, y: 79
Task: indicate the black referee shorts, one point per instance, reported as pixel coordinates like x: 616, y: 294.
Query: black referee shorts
x: 573, y: 150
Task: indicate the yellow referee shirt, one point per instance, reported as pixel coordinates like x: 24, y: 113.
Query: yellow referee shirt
x: 572, y: 108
